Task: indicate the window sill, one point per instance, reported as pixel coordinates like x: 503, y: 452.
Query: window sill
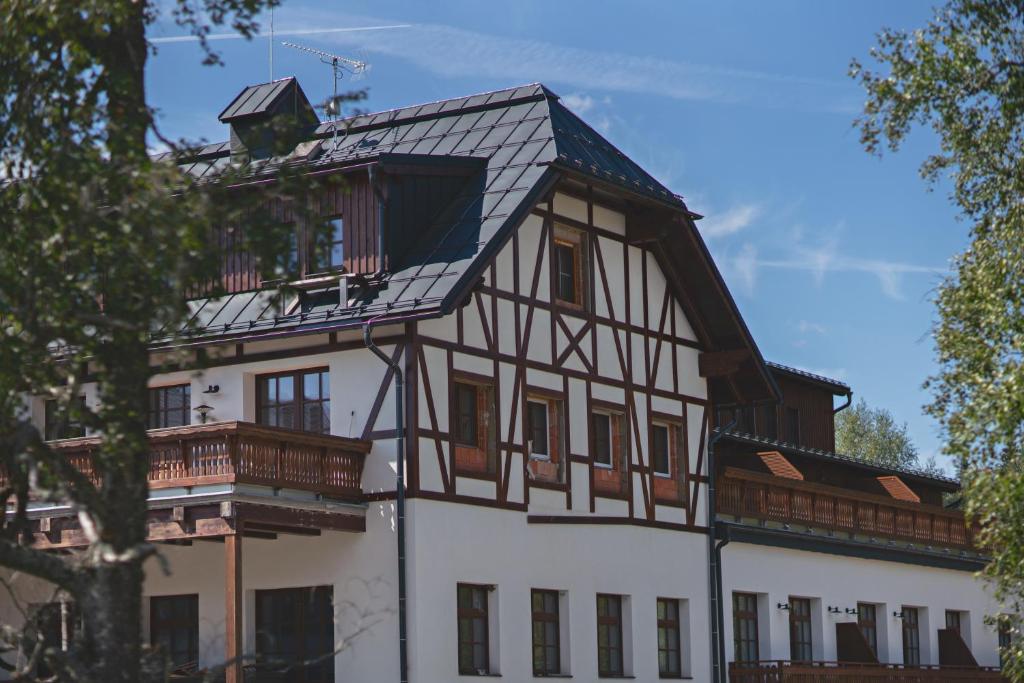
x: 552, y: 675
x: 475, y: 675
x: 602, y: 466
x: 619, y: 676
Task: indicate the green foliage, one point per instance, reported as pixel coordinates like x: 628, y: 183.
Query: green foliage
x: 873, y: 435
x: 963, y: 75
x: 98, y: 243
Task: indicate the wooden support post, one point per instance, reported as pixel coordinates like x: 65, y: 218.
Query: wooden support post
x: 233, y: 607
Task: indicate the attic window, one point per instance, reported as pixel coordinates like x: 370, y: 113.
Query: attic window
x: 896, y: 488
x: 569, y: 260
x: 330, y: 251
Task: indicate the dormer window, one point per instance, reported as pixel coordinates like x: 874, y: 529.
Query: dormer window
x: 334, y: 251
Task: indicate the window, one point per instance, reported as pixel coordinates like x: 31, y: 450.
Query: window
x: 868, y: 625
x: 296, y: 400
x: 602, y: 427
x: 546, y: 648
x: 1005, y: 639
x: 466, y: 414
x: 609, y: 635
x: 537, y: 415
x: 569, y: 261
x: 800, y: 646
x: 660, y: 449
x: 566, y: 262
x: 295, y: 633
x: 953, y: 620
x: 332, y: 253
x: 474, y: 643
x: 745, y: 419
x: 169, y: 406
x: 174, y: 627
x: 744, y: 627
x: 792, y: 425
x: 669, y: 660
x: 58, y: 424
x: 544, y: 435
x: 911, y: 637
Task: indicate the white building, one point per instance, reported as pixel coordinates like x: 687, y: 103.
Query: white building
x: 562, y: 335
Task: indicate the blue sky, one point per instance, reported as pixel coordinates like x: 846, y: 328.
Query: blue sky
x: 743, y: 108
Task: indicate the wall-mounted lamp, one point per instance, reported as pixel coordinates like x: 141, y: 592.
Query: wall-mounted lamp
x: 212, y: 389
x: 834, y: 610
x: 204, y: 412
x: 783, y: 606
x: 898, y: 615
x: 851, y: 610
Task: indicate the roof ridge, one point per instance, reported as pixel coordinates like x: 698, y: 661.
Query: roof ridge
x: 806, y: 373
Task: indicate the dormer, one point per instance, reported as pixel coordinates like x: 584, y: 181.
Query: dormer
x: 263, y: 113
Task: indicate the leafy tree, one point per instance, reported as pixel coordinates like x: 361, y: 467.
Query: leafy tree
x: 963, y: 75
x: 97, y: 242
x: 874, y: 435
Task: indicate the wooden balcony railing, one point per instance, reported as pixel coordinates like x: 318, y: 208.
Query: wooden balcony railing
x: 766, y: 497
x: 243, y: 453
x: 842, y: 672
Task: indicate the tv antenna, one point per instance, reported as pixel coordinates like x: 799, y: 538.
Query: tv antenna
x: 339, y: 65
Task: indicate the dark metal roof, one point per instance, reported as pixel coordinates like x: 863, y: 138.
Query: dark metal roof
x: 843, y: 387
x: 524, y: 138
x: 256, y: 99
x: 947, y: 483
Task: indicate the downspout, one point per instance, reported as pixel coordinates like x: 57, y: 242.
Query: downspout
x: 403, y: 650
x: 849, y: 400
x: 715, y: 566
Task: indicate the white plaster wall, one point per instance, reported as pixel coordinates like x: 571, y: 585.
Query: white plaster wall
x: 775, y: 574
x: 641, y: 563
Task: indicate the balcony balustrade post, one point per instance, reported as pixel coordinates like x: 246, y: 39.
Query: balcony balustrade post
x: 279, y: 463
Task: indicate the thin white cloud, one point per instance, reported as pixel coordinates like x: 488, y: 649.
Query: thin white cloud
x: 716, y: 225
x: 820, y: 263
x: 292, y: 32
x: 452, y: 52
x: 805, y: 326
x: 580, y: 103
x: 745, y: 266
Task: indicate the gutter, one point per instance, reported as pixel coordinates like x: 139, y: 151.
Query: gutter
x: 849, y: 400
x: 716, y: 609
x: 403, y: 650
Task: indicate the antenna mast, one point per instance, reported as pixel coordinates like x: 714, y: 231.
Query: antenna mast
x: 271, y: 45
x: 339, y: 65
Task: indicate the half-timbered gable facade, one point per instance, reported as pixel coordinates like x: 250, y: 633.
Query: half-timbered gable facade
x: 532, y: 323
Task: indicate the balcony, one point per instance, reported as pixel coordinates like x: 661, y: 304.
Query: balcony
x: 837, y: 672
x: 789, y: 501
x: 243, y: 453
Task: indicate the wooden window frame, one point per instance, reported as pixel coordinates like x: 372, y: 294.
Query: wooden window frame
x: 740, y: 644
x: 868, y: 626
x: 302, y: 625
x: 613, y: 626
x: 800, y: 625
x: 547, y: 467
x: 471, y: 438
x: 543, y: 617
x: 191, y: 665
x: 673, y: 643
x: 298, y: 400
x: 156, y: 417
x: 478, y: 459
x: 472, y: 614
x: 610, y: 417
x: 321, y: 255
x: 578, y: 241
x: 911, y: 636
